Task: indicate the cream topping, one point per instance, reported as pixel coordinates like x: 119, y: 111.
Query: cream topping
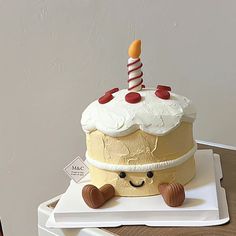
x: 152, y: 115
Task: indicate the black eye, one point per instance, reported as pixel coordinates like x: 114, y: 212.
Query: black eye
x: 122, y: 174
x: 149, y: 174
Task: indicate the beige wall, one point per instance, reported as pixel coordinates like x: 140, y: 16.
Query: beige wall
x: 57, y: 56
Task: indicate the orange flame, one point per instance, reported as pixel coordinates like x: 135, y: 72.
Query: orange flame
x: 135, y: 49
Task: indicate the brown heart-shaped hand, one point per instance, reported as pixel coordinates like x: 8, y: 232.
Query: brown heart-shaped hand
x: 95, y: 197
x: 173, y: 194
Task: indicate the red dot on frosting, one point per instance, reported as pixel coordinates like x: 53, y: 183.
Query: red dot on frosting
x: 164, y: 87
x: 164, y: 94
x: 114, y: 90
x: 106, y: 98
x: 133, y: 97
x: 143, y: 86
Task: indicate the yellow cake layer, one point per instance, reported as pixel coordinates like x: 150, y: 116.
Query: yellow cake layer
x: 140, y: 147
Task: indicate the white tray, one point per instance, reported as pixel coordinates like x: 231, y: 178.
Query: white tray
x: 205, y: 204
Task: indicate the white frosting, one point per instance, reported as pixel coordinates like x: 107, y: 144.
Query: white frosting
x: 152, y: 114
x: 143, y: 167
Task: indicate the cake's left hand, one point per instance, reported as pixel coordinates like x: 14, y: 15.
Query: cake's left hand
x: 95, y: 197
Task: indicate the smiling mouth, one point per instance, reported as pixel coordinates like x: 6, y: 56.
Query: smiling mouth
x: 136, y: 185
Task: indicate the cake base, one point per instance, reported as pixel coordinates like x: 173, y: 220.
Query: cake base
x: 199, y: 208
x: 136, y: 149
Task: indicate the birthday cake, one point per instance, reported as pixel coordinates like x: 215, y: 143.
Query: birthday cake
x: 139, y: 140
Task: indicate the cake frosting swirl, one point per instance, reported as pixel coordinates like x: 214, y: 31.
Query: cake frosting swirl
x: 152, y: 114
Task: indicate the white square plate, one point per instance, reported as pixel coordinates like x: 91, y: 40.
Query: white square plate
x: 205, y: 204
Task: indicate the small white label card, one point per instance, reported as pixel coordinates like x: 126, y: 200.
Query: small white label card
x: 77, y: 169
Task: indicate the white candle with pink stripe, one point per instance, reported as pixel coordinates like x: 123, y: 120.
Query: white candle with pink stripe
x: 134, y: 66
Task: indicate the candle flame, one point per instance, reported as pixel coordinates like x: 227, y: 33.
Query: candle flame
x: 135, y: 49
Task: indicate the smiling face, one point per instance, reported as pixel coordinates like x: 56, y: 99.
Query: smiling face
x: 134, y: 184
x: 125, y: 183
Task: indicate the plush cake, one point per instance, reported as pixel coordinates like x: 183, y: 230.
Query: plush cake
x: 139, y: 138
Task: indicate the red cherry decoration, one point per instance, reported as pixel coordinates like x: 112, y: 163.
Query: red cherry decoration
x: 114, y: 90
x: 105, y: 98
x: 132, y: 97
x: 163, y: 87
x: 163, y: 94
